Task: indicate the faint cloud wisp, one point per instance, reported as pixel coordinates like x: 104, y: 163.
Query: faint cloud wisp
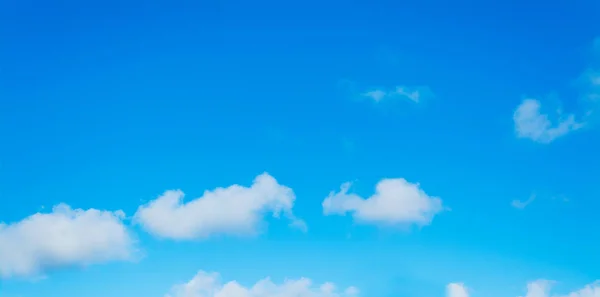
x: 531, y: 123
x: 414, y: 94
x: 518, y: 204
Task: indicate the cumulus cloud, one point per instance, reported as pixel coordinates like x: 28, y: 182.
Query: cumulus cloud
x: 235, y: 210
x: 456, y: 290
x: 531, y: 123
x: 206, y: 284
x: 395, y: 202
x: 542, y: 288
x: 591, y: 290
x: 413, y: 94
x: 539, y: 288
x: 64, y: 237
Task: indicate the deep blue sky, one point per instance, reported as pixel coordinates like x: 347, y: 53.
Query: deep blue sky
x: 107, y: 104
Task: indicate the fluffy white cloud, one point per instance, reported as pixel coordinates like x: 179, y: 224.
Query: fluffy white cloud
x: 456, y: 290
x: 591, y: 290
x: 413, y: 94
x: 531, y: 123
x: 395, y: 202
x: 539, y: 288
x: 64, y: 237
x: 542, y: 288
x: 208, y: 285
x: 234, y: 210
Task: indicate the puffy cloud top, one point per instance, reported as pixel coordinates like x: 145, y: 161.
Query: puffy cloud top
x: 64, y: 237
x: 233, y: 210
x: 395, y: 201
x: 206, y: 284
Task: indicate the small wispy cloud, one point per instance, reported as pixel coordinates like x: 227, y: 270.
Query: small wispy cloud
x: 561, y: 198
x: 518, y: 204
x: 590, y: 82
x: 531, y: 123
x: 376, y: 95
x: 414, y: 94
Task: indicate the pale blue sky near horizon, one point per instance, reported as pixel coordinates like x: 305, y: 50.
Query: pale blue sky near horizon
x: 108, y: 104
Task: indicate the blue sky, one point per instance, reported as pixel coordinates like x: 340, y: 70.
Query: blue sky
x: 451, y: 108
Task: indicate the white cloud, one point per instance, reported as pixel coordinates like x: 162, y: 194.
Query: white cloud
x: 591, y: 290
x: 376, y: 95
x: 206, y: 284
x: 413, y: 94
x: 531, y: 123
x: 539, y: 288
x: 522, y: 204
x: 395, y: 202
x: 235, y: 210
x: 64, y: 237
x: 543, y: 288
x: 456, y: 290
